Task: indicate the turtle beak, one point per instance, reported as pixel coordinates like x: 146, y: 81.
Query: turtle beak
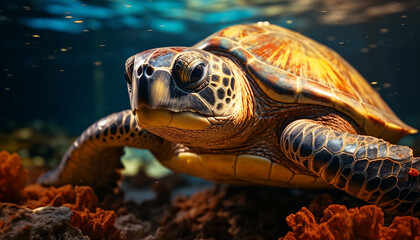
x: 155, y: 88
x: 151, y: 88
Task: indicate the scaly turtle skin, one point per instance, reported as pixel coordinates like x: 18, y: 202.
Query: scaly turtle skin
x: 253, y: 104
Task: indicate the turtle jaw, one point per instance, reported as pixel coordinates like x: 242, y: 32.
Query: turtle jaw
x: 147, y: 117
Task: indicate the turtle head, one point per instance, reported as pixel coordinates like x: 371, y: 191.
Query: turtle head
x: 178, y: 92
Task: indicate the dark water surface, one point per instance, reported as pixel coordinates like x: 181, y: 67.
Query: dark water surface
x: 62, y: 61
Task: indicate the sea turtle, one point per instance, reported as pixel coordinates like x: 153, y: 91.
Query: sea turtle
x: 253, y: 104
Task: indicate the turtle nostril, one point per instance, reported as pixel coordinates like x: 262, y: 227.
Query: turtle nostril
x: 139, y: 71
x: 149, y: 70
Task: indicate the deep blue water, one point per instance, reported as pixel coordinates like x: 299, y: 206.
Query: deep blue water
x: 62, y: 61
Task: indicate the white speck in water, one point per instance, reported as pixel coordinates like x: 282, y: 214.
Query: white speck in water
x: 383, y: 30
x: 387, y: 85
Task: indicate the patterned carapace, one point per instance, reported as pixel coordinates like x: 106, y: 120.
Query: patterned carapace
x: 294, y: 68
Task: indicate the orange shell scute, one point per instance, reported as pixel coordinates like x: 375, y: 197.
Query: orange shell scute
x: 323, y: 77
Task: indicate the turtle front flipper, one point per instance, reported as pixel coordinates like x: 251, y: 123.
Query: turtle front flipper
x: 94, y: 157
x: 366, y: 167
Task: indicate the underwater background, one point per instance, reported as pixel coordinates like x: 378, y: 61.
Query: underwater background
x: 62, y: 61
x: 62, y: 69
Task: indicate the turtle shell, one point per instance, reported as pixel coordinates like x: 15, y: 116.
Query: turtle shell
x: 292, y: 68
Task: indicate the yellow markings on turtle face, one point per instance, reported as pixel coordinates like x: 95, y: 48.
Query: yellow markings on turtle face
x: 189, y: 120
x: 280, y: 173
x: 159, y: 90
x: 153, y: 117
x: 219, y: 164
x: 249, y: 166
x: 161, y: 117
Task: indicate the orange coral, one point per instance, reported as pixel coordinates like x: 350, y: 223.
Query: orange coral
x: 94, y: 222
x: 97, y: 225
x: 13, y: 177
x: 38, y: 196
x: 403, y: 228
x: 75, y: 197
x: 339, y: 223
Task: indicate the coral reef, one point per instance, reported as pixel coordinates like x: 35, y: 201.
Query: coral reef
x: 80, y: 202
x: 87, y: 216
x: 97, y: 225
x: 76, y: 198
x: 13, y: 177
x: 223, y: 212
x: 17, y: 222
x: 340, y: 223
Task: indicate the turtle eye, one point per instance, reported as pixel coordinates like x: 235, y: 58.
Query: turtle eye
x: 197, y: 72
x: 190, y: 73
